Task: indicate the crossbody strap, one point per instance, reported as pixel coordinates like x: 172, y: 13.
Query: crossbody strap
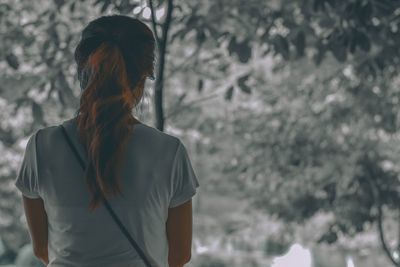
x: 110, y: 210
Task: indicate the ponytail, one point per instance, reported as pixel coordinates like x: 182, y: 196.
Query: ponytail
x: 105, y: 119
x: 114, y: 56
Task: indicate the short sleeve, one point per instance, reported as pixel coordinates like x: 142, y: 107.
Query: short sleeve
x: 27, y: 176
x: 183, y: 178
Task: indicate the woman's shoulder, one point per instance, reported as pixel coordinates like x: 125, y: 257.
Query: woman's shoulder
x: 155, y: 135
x: 142, y: 132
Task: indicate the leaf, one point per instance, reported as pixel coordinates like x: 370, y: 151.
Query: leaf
x: 363, y: 41
x: 61, y: 98
x: 338, y: 52
x: 125, y: 7
x: 317, y: 4
x: 200, y: 85
x: 72, y: 7
x: 344, y: 39
x: 200, y: 36
x: 242, y: 84
x: 59, y: 3
x: 281, y: 46
x: 319, y: 56
x: 349, y: 10
x: 192, y: 21
x: 232, y: 45
x: 243, y: 50
x: 105, y: 5
x: 181, y: 97
x: 365, y: 12
x: 52, y: 16
x: 329, y: 237
x: 37, y: 112
x: 353, y: 43
x: 229, y: 93
x: 300, y: 42
x: 223, y: 67
x: 266, y: 51
x: 181, y: 33
x: 12, y: 61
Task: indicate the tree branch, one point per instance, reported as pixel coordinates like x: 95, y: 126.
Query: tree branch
x: 377, y: 200
x: 191, y: 103
x: 167, y: 23
x: 159, y: 82
x: 153, y: 21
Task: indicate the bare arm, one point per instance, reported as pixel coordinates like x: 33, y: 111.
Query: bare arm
x: 179, y: 234
x: 37, y: 222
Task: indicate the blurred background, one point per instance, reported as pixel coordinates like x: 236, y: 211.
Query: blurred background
x: 289, y: 111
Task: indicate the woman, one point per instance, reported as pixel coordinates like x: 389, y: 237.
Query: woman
x: 145, y: 174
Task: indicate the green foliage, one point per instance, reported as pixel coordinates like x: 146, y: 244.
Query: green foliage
x: 304, y: 148
x: 317, y: 155
x: 321, y: 147
x: 241, y: 48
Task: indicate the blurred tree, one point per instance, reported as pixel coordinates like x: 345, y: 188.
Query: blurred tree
x: 329, y: 150
x: 329, y: 145
x: 325, y: 145
x: 162, y: 47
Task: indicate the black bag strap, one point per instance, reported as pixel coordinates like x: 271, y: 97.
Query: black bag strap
x: 110, y: 210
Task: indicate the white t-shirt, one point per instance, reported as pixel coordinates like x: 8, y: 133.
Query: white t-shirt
x: 156, y: 175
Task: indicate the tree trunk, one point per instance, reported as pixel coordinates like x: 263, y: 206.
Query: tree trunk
x: 158, y: 98
x: 162, y: 48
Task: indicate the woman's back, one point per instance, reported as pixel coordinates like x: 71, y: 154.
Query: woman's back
x: 156, y: 175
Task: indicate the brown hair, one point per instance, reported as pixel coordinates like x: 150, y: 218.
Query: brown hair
x: 114, y: 57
